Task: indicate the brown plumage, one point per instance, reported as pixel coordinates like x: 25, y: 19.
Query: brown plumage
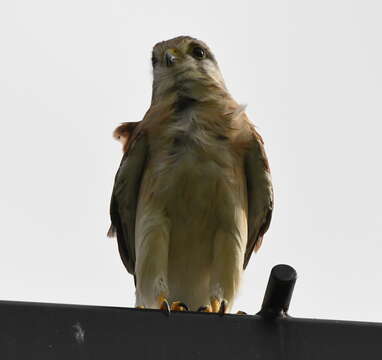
x: 193, y: 196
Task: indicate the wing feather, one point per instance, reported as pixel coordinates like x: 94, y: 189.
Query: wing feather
x: 259, y: 192
x: 125, y: 194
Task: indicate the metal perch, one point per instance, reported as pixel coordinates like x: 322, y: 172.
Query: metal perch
x: 279, y: 292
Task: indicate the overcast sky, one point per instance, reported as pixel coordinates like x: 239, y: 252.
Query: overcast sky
x: 310, y: 73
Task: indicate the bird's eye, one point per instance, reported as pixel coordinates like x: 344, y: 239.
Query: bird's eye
x: 198, y: 52
x: 154, y: 60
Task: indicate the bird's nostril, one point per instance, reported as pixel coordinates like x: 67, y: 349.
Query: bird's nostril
x: 170, y: 59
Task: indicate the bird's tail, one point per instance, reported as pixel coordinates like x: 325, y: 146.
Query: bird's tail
x: 112, y: 231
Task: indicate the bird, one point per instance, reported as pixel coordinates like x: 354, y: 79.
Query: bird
x: 193, y: 196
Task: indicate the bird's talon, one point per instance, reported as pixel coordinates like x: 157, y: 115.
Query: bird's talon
x: 215, y: 305
x: 164, y: 305
x: 223, y: 307
x: 179, y: 306
x: 241, y: 313
x: 206, y: 308
x: 218, y: 306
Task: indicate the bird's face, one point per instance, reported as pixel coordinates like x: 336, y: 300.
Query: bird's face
x: 184, y: 66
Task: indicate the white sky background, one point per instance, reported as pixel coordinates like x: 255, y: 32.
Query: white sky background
x: 310, y: 72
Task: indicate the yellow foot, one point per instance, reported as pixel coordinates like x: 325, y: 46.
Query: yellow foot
x: 219, y: 306
x: 178, y: 306
x: 164, y: 305
x: 140, y: 307
x: 207, y: 308
x: 241, y: 313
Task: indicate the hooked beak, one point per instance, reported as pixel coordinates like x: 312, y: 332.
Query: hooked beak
x: 170, y: 57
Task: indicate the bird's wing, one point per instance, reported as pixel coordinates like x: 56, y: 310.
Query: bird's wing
x: 259, y: 192
x: 125, y: 193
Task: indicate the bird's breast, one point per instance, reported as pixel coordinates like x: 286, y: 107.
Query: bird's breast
x: 194, y: 172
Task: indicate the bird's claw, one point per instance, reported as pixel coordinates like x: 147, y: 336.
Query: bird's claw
x: 206, y: 308
x: 219, y: 306
x: 241, y: 313
x: 179, y: 306
x: 223, y: 307
x: 164, y: 305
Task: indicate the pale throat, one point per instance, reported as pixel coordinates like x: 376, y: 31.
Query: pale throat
x: 190, y: 84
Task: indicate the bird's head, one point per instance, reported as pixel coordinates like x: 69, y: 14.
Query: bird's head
x: 184, y: 67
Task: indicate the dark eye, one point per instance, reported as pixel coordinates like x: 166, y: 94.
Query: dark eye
x: 198, y: 52
x: 154, y: 60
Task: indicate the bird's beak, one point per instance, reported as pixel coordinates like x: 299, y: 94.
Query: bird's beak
x: 170, y: 57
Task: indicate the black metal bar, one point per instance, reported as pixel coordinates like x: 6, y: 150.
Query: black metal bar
x: 279, y: 291
x: 77, y: 332
x: 62, y: 332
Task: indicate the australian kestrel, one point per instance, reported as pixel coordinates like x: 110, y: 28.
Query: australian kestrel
x: 193, y: 196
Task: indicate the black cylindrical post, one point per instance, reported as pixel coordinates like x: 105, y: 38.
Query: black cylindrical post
x: 279, y: 291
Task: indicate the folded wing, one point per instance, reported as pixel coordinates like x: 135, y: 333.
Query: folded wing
x: 259, y: 192
x: 125, y: 193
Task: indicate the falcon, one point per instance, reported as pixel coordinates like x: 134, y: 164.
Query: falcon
x: 193, y: 195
